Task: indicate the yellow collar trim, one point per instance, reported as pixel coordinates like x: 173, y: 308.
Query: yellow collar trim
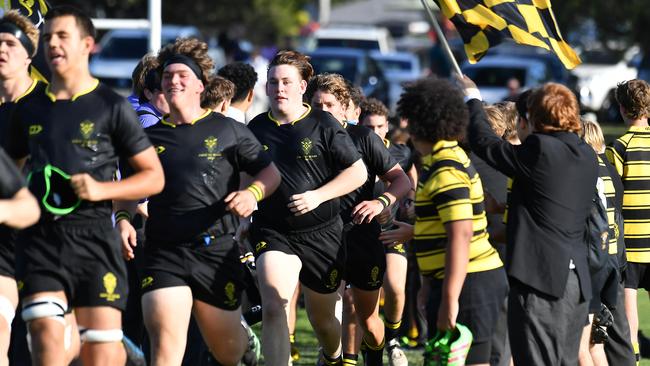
x: 164, y: 121
x: 294, y: 122
x: 639, y: 128
x: 387, y: 143
x: 29, y: 90
x: 74, y: 97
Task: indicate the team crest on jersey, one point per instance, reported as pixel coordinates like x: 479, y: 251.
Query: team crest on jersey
x: 374, y: 275
x: 110, y: 283
x: 86, y: 130
x: 306, y: 146
x: 35, y: 130
x: 229, y: 291
x: 210, y: 144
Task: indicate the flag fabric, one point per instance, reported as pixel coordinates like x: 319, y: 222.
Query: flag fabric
x: 485, y: 23
x: 35, y: 10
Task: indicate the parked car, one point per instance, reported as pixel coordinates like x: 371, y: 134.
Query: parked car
x: 352, y: 36
x: 491, y: 75
x: 599, y: 74
x: 120, y: 50
x: 399, y: 67
x: 354, y: 65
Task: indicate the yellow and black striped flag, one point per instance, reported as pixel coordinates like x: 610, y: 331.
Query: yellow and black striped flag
x: 484, y: 23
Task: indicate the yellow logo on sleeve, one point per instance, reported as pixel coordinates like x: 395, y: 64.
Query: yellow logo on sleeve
x: 35, y: 129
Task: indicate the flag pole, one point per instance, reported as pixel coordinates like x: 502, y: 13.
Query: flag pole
x: 442, y: 39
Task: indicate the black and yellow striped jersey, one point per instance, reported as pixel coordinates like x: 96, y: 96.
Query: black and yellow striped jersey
x: 630, y: 155
x: 450, y: 190
x: 610, y: 196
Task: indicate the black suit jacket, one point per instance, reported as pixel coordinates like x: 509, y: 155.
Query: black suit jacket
x: 554, y: 181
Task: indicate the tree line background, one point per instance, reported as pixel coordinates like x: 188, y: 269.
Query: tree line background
x: 271, y: 21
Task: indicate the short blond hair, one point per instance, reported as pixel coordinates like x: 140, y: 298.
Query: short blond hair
x: 218, y: 90
x: 25, y: 25
x: 593, y: 135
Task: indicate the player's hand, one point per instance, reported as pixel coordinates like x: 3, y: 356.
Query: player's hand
x: 385, y: 216
x: 364, y: 212
x: 242, y: 229
x: 407, y: 209
x: 87, y: 188
x: 401, y: 234
x: 302, y: 203
x: 464, y: 82
x: 447, y: 314
x: 241, y: 203
x: 129, y: 240
x: 491, y: 205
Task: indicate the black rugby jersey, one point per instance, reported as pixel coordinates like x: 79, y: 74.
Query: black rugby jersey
x: 87, y: 133
x: 378, y: 162
x: 7, y: 108
x: 11, y: 181
x: 201, y: 161
x: 403, y: 155
x: 308, y: 152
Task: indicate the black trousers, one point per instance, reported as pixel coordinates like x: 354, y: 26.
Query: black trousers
x: 544, y: 330
x: 618, y: 348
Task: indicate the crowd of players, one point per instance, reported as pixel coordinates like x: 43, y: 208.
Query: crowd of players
x: 169, y: 211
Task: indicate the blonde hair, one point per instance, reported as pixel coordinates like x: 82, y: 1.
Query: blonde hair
x: 593, y: 135
x: 25, y: 25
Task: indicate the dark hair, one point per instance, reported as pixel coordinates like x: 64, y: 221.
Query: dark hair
x: 634, y: 97
x: 143, y: 73
x: 295, y: 59
x: 434, y: 109
x: 84, y: 23
x: 356, y: 94
x: 242, y: 75
x: 373, y: 107
x: 522, y: 104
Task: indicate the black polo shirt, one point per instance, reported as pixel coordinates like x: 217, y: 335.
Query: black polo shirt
x: 201, y: 161
x: 87, y: 133
x: 308, y: 152
x: 378, y: 162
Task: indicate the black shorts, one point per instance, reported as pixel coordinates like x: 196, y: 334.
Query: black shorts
x: 399, y: 248
x: 213, y: 272
x: 365, y: 263
x: 7, y: 255
x: 320, y: 250
x: 637, y: 275
x: 83, y: 259
x: 480, y: 300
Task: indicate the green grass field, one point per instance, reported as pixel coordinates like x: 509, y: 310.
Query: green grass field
x: 308, y: 345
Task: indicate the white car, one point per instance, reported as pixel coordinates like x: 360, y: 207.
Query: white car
x: 120, y: 50
x: 399, y: 67
x: 491, y: 75
x: 598, y: 76
x: 352, y: 36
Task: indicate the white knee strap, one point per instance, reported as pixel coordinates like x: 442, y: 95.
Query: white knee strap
x: 7, y: 310
x: 45, y: 307
x: 101, y: 336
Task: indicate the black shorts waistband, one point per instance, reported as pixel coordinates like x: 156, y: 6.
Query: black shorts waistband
x: 103, y: 223
x: 307, y: 230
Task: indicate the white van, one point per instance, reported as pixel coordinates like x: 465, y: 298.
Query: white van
x: 358, y: 37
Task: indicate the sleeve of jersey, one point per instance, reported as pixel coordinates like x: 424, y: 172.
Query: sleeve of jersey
x: 128, y: 135
x: 450, y: 193
x: 16, y: 141
x: 251, y: 156
x: 10, y: 179
x: 615, y: 155
x: 342, y: 149
x: 378, y: 156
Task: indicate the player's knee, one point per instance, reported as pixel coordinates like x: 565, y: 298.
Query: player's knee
x: 7, y: 311
x: 46, y: 307
x: 275, y: 307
